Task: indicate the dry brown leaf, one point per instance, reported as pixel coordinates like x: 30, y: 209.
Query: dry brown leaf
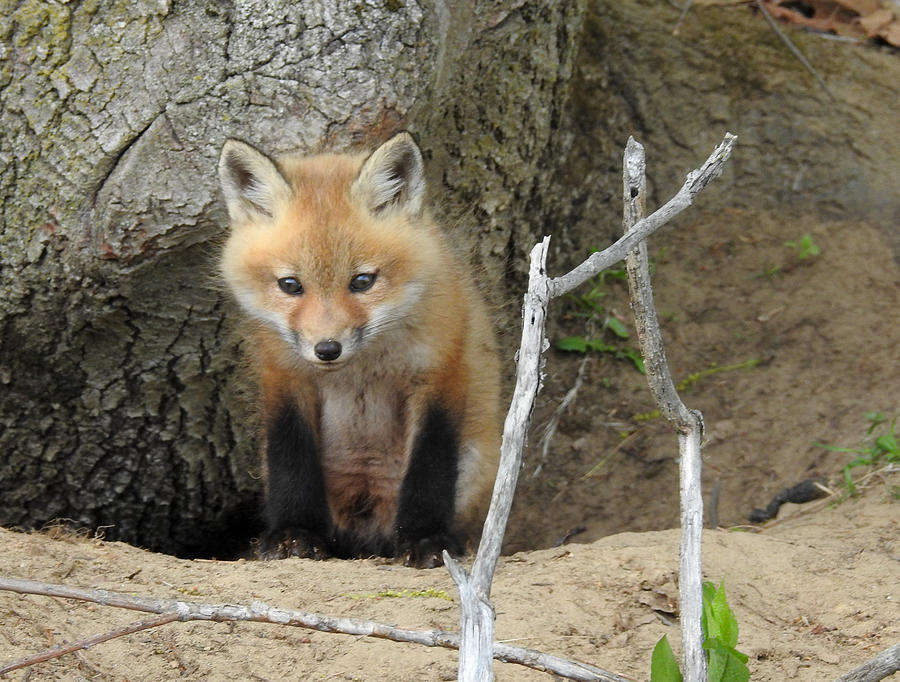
x: 891, y: 33
x: 861, y: 7
x: 827, y: 17
x: 876, y: 21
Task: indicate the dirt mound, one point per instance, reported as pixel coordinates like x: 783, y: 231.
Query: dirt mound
x: 815, y: 595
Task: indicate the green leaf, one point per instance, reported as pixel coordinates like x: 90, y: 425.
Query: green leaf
x: 573, y: 343
x: 725, y: 624
x: 720, y: 631
x: 636, y: 358
x: 725, y: 665
x: 806, y: 247
x: 600, y: 347
x: 617, y: 328
x: 848, y: 481
x: 709, y: 592
x: 888, y: 445
x: 875, y: 418
x: 663, y: 666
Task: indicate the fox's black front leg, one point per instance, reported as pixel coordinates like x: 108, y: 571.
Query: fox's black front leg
x: 428, y: 495
x: 297, y: 516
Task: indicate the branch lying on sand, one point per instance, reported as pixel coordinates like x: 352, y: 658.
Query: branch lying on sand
x: 260, y: 612
x: 883, y: 665
x: 88, y: 642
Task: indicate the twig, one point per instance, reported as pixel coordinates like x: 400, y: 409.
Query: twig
x: 73, y: 647
x: 688, y: 423
x: 260, y: 612
x: 713, y: 512
x: 694, y: 183
x: 528, y: 384
x: 658, y: 376
x: 476, y: 612
x: 681, y: 16
x: 884, y: 664
x: 553, y: 422
x: 794, y: 49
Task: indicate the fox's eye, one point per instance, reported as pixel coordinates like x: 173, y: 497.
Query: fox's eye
x: 362, y: 282
x: 290, y: 285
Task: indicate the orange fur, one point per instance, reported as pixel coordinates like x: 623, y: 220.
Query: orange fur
x: 420, y: 334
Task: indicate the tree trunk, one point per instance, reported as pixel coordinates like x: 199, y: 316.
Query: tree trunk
x: 122, y: 403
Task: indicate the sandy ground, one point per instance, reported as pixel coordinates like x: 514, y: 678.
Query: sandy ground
x: 815, y: 595
x: 815, y: 592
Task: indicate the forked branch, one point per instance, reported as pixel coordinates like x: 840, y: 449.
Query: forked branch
x: 695, y: 182
x: 476, y: 613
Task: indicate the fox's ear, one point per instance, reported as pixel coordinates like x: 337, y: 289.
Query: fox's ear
x: 392, y: 179
x: 252, y: 184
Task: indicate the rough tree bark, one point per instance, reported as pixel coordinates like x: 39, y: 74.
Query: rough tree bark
x: 121, y: 397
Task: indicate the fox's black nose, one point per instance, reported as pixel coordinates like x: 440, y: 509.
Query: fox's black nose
x: 327, y: 350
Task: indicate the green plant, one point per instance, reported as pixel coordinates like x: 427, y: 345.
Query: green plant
x: 693, y: 378
x: 663, y: 666
x: 805, y: 247
x: 588, y: 305
x: 582, y: 344
x: 720, y: 635
x: 768, y: 272
x: 883, y: 448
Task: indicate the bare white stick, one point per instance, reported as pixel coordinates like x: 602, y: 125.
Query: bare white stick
x: 695, y: 182
x: 883, y: 665
x: 263, y: 613
x: 476, y: 627
x: 688, y: 423
x: 515, y: 428
x: 476, y: 612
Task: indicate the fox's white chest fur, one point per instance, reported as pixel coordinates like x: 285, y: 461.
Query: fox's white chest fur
x: 364, y: 441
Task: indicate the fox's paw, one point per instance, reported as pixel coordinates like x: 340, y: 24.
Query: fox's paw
x: 288, y: 542
x: 427, y: 552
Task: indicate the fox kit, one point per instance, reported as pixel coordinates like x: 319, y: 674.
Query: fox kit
x: 375, y: 355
